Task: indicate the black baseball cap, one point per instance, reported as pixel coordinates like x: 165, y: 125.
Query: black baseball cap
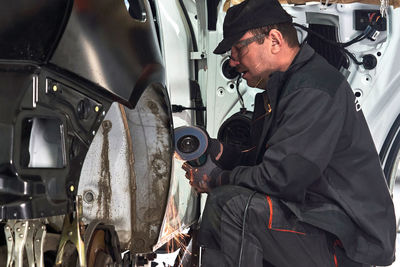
x: 250, y: 14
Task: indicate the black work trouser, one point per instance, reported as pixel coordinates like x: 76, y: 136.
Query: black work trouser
x: 273, y: 235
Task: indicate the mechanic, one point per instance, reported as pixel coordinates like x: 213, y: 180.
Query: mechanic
x: 310, y: 190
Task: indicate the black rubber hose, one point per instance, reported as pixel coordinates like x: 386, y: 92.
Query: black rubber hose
x: 341, y: 46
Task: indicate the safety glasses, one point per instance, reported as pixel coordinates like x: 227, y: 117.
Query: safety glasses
x: 240, y: 48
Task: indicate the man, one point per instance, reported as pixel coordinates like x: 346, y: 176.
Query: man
x: 310, y: 190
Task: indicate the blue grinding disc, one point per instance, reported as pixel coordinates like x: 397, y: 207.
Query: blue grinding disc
x: 190, y: 142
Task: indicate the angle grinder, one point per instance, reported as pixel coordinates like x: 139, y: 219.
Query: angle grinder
x: 191, y: 144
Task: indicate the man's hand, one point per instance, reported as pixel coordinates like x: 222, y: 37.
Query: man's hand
x: 202, y: 178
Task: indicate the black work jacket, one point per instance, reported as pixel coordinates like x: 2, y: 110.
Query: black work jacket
x: 314, y: 151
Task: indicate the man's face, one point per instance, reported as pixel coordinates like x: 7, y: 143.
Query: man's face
x: 251, y: 58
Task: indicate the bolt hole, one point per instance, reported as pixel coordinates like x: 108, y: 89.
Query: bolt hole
x: 357, y: 94
x: 232, y: 86
x: 88, y: 196
x: 379, y: 54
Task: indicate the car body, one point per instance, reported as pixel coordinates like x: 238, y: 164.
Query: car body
x: 91, y: 92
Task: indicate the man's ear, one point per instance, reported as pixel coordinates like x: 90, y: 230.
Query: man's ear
x: 276, y: 40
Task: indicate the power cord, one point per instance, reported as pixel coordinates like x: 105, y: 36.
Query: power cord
x: 238, y: 81
x: 369, y: 32
x: 243, y: 226
x: 180, y: 108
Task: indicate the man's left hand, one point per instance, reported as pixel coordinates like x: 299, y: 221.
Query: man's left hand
x: 202, y: 178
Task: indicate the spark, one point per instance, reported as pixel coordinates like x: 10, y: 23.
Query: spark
x: 176, y: 155
x: 174, y: 223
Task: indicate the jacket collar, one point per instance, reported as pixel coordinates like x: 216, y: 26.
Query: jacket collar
x: 305, y: 53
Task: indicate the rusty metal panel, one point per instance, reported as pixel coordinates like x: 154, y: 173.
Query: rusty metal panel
x: 126, y: 175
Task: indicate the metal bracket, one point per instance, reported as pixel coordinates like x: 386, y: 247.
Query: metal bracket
x: 72, y: 232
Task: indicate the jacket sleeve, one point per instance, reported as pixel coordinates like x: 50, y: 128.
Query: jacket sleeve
x: 226, y: 156
x: 309, y: 123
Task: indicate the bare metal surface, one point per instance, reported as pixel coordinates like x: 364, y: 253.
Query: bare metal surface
x: 109, y: 159
x: 93, y: 171
x: 131, y: 161
x: 129, y: 166
x: 149, y: 128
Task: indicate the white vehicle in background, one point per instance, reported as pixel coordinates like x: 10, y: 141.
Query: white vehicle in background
x: 87, y: 113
